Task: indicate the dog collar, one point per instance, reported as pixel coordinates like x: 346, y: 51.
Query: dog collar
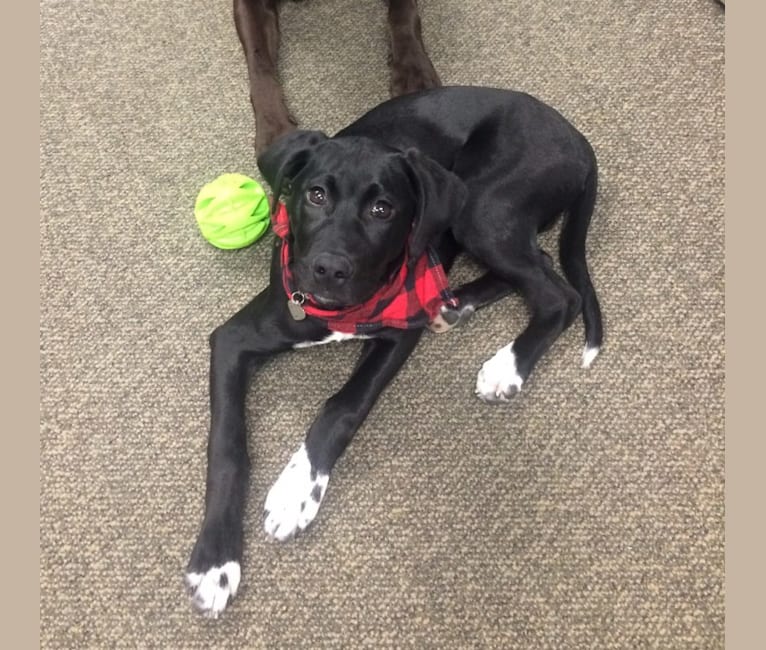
x: 409, y: 300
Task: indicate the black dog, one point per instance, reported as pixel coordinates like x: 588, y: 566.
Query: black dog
x: 423, y: 175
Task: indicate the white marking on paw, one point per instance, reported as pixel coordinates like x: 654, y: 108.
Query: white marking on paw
x: 588, y: 355
x: 211, y: 591
x: 334, y: 337
x: 293, y: 501
x: 439, y: 324
x: 498, y: 380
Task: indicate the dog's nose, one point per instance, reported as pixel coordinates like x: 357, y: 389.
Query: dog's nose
x: 332, y: 268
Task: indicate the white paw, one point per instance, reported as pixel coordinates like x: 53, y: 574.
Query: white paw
x: 293, y: 501
x: 211, y: 591
x: 588, y: 355
x: 498, y: 379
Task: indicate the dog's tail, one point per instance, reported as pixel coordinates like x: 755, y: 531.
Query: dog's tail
x: 572, y: 257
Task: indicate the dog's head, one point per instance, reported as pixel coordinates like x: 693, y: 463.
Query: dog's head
x: 355, y: 208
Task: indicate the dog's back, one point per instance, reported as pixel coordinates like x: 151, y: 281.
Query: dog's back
x: 449, y: 123
x: 522, y: 161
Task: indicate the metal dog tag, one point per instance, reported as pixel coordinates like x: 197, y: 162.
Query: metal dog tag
x: 295, y: 305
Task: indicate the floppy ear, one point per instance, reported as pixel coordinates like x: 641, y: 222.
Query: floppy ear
x: 441, y: 197
x: 280, y: 163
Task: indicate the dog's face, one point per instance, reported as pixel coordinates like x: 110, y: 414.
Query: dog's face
x: 351, y: 210
x: 357, y: 209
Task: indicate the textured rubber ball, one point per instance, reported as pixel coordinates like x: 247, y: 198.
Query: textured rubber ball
x: 232, y: 211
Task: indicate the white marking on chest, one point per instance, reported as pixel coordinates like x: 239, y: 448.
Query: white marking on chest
x: 334, y: 337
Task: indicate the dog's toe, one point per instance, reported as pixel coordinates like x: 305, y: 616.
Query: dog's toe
x: 498, y: 379
x: 211, y: 591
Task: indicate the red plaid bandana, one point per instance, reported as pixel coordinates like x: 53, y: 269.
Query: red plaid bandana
x: 411, y: 298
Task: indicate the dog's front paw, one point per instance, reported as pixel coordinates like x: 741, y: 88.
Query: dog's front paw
x: 293, y: 501
x: 499, y: 380
x: 211, y: 591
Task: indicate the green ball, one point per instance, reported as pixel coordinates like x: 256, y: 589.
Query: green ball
x: 232, y: 211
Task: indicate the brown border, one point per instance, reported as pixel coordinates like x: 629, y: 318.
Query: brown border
x: 744, y: 324
x: 20, y: 55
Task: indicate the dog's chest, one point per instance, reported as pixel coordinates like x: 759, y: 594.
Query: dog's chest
x: 334, y: 337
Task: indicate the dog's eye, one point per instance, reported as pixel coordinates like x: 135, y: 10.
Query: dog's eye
x: 317, y: 196
x: 381, y: 210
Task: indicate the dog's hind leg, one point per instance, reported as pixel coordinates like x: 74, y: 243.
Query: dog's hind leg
x: 474, y: 295
x: 553, y: 304
x: 411, y: 68
x: 257, y: 23
x: 471, y: 297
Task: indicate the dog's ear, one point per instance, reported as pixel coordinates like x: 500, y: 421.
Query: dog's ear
x: 280, y: 163
x: 441, y: 196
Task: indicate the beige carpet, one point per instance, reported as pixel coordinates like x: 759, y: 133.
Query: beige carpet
x: 587, y: 514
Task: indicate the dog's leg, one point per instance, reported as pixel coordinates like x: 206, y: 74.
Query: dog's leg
x: 257, y: 23
x: 411, y: 69
x: 243, y: 342
x: 293, y: 501
x: 471, y: 297
x: 553, y: 304
x: 474, y: 295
